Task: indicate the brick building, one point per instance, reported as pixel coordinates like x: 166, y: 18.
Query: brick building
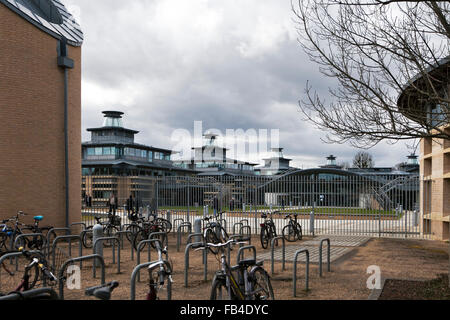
x: 40, y: 57
x: 416, y: 104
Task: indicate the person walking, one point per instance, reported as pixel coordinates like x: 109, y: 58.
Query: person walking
x: 130, y: 204
x: 232, y: 204
x: 216, y: 205
x: 113, y: 204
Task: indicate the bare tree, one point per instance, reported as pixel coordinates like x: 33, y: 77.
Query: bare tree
x: 363, y: 160
x: 375, y: 49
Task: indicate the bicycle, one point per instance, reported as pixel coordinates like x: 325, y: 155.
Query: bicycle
x: 14, y: 231
x: 213, y: 232
x: 293, y: 231
x: 36, y: 243
x: 36, y: 270
x: 102, y: 292
x: 146, y: 230
x: 268, y: 230
x: 138, y: 224
x: 251, y: 285
x: 34, y: 294
x: 109, y: 229
x: 158, y: 273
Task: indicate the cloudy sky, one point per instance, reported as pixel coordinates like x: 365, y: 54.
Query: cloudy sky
x: 232, y: 64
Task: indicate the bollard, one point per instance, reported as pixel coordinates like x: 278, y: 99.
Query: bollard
x: 198, y: 230
x: 97, y: 232
x: 311, y: 222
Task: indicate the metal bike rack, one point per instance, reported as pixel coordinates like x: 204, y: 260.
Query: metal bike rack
x: 79, y: 259
x: 241, y: 251
x: 272, y: 253
x: 294, y: 277
x: 234, y: 227
x: 24, y: 236
x: 121, y: 233
x: 68, y: 231
x: 11, y: 256
x: 189, y: 240
x: 114, y: 239
x: 69, y: 240
x: 82, y: 233
x: 248, y: 235
x: 140, y: 245
x: 195, y: 245
x: 328, y: 255
x: 164, y: 234
x: 174, y: 224
x: 134, y: 274
x: 184, y: 225
x: 245, y: 220
x: 78, y: 224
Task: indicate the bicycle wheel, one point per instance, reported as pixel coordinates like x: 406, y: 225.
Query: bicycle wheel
x: 299, y: 232
x: 30, y: 278
x: 219, y: 290
x: 134, y: 228
x: 88, y: 238
x: 289, y: 233
x: 160, y: 237
x: 141, y: 235
x: 261, y: 285
x: 222, y: 234
x: 265, y: 238
x: 211, y: 237
x: 109, y: 231
x: 165, y: 224
x: 3, y: 238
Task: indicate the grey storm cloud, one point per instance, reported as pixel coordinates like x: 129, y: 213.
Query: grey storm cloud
x: 231, y: 64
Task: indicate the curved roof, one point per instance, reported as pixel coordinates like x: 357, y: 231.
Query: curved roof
x: 51, y: 16
x: 411, y: 101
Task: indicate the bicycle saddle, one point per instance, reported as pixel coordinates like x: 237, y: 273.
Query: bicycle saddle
x: 247, y: 263
x: 38, y: 218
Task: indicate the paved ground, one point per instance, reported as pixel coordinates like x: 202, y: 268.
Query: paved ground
x: 340, y: 245
x: 397, y: 258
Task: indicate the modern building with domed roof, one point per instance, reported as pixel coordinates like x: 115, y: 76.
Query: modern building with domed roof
x: 419, y: 105
x: 40, y: 111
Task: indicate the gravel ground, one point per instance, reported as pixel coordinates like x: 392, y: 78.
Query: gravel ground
x: 347, y: 280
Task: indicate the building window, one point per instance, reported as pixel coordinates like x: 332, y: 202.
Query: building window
x: 150, y: 156
x: 98, y: 151
x: 90, y: 151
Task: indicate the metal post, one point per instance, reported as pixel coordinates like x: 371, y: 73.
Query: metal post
x: 328, y: 255
x: 272, y: 253
x: 295, y: 270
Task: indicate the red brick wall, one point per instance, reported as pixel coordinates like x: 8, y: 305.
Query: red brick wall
x: 32, y: 124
